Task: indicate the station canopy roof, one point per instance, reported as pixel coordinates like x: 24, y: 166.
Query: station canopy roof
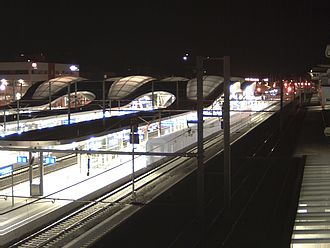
x: 210, y: 83
x: 174, y: 79
x: 124, y: 86
x: 54, y: 85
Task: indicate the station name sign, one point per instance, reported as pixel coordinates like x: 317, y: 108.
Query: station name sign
x: 6, y: 170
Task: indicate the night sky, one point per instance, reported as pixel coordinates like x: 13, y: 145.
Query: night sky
x: 285, y: 37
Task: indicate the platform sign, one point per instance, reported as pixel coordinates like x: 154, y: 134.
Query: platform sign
x: 168, y: 123
x: 6, y: 170
x: 22, y: 159
x: 50, y: 160
x: 72, y: 120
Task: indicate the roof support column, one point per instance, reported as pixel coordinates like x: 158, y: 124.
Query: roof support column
x: 30, y: 172
x: 69, y: 104
x: 50, y: 95
x: 177, y: 95
x: 18, y: 108
x: 152, y: 95
x: 75, y: 94
x: 103, y: 99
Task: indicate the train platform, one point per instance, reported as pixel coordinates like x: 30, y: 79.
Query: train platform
x: 312, y: 223
x: 68, y: 188
x: 65, y: 190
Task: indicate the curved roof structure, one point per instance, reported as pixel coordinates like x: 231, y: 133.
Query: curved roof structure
x: 124, y: 86
x: 210, y: 83
x: 174, y: 79
x: 54, y: 85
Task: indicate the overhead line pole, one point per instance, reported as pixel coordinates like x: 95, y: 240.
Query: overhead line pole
x: 69, y: 104
x: 200, y: 148
x: 226, y: 133
x: 226, y: 130
x: 103, y: 99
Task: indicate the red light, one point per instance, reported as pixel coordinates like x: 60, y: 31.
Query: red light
x: 258, y: 89
x: 289, y: 89
x: 295, y: 84
x: 285, y: 85
x: 309, y: 84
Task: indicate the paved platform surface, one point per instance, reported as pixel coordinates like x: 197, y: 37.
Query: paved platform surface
x: 312, y: 223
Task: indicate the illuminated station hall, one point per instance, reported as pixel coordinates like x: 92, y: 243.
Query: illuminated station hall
x: 69, y: 141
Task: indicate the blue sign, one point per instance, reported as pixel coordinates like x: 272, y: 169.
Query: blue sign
x: 72, y: 120
x: 22, y: 159
x: 167, y: 123
x: 50, y: 160
x: 6, y: 170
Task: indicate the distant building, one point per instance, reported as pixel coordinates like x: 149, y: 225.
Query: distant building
x: 17, y: 77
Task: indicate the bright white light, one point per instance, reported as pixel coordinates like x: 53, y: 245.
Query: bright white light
x: 74, y: 145
x: 2, y: 87
x: 252, y: 79
x: 73, y: 68
x: 21, y: 81
x: 18, y: 95
x: 235, y: 87
x: 107, y: 114
x: 265, y: 79
x: 34, y: 65
x: 4, y: 81
x: 185, y: 58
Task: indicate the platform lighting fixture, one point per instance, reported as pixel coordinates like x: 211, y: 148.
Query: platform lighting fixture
x: 34, y: 65
x: 251, y: 79
x: 4, y: 81
x: 74, y: 145
x: 74, y: 68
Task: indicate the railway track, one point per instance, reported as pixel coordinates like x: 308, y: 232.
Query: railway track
x: 121, y: 200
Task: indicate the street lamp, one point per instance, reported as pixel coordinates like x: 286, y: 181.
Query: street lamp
x: 185, y: 57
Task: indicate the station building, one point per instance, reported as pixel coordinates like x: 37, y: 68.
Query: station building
x: 17, y: 77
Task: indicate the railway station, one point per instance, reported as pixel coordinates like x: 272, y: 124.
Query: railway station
x: 63, y: 148
x: 77, y: 147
